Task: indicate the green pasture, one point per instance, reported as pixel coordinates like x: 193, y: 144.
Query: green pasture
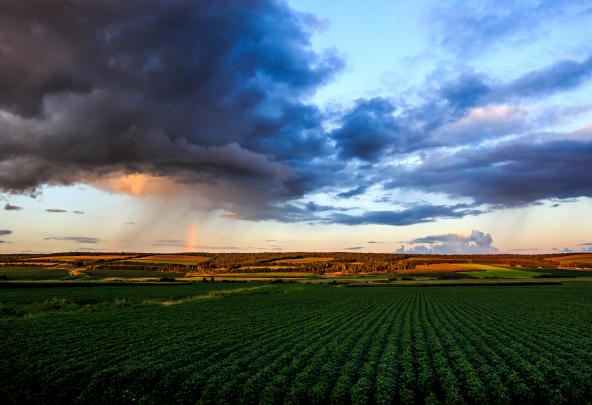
x: 130, y: 274
x: 557, y: 272
x: 494, y: 271
x: 33, y: 273
x: 500, y: 273
x: 518, y: 272
x: 98, y: 294
x: 269, y: 267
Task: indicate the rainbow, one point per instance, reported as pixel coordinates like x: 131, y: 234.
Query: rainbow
x: 191, y: 237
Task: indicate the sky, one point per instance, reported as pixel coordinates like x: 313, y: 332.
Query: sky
x: 267, y: 125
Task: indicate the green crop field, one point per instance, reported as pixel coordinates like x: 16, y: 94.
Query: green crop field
x: 557, y: 272
x: 296, y: 344
x: 495, y: 271
x: 33, y: 273
x: 501, y: 273
x: 130, y: 274
x: 91, y: 295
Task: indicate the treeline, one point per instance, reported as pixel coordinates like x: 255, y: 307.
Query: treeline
x: 503, y: 259
x: 18, y: 256
x: 328, y: 262
x: 232, y: 261
x: 577, y: 265
x: 332, y: 267
x: 98, y: 262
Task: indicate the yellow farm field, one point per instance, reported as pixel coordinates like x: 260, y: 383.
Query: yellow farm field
x: 89, y: 257
x: 585, y: 258
x: 175, y: 258
x: 439, y: 267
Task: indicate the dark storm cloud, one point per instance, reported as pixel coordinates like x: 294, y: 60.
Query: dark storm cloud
x: 353, y: 192
x: 54, y: 210
x: 473, y: 90
x: 196, y: 91
x: 511, y: 174
x: 9, y: 207
x: 314, y: 207
x: 376, y: 128
x: 420, y: 213
x: 366, y: 129
x: 215, y: 95
x: 77, y: 239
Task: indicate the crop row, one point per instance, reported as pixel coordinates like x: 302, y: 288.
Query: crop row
x: 497, y: 345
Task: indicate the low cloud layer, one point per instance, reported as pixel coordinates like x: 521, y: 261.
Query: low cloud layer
x: 419, y: 213
x: 214, y: 97
x: 452, y: 242
x: 55, y: 210
x: 76, y: 239
x: 9, y: 207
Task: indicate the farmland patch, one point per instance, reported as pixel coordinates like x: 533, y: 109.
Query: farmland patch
x: 130, y: 274
x: 379, y: 345
x: 177, y: 258
x: 33, y: 273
